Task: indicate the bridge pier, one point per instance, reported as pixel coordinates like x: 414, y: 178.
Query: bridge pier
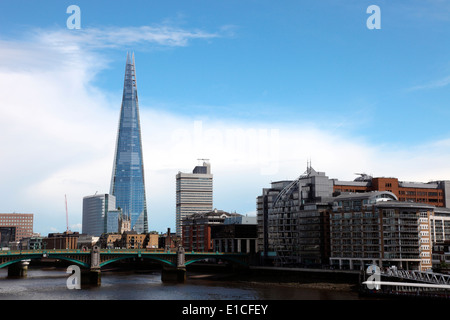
x: 173, y: 274
x: 178, y: 273
x: 18, y: 270
x: 91, y: 277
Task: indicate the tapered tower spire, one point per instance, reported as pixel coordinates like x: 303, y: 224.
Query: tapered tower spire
x: 127, y: 182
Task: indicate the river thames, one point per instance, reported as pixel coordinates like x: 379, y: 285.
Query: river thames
x: 50, y: 284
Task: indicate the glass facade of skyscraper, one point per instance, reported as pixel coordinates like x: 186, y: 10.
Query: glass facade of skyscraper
x: 127, y: 183
x: 95, y: 212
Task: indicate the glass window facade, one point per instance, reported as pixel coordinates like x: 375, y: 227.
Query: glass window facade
x: 127, y: 182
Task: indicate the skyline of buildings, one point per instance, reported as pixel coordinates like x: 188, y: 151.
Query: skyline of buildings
x: 299, y: 222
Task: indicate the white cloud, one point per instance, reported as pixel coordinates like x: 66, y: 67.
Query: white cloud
x: 119, y: 37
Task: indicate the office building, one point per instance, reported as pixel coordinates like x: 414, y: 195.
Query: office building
x: 95, y: 213
x: 127, y: 182
x: 22, y: 221
x: 194, y: 193
x: 294, y: 218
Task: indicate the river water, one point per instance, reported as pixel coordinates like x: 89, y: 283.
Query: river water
x: 42, y: 284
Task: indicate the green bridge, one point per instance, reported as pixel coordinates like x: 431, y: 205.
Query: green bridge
x: 174, y: 262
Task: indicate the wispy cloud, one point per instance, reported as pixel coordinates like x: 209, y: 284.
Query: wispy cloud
x: 432, y: 85
x: 119, y: 37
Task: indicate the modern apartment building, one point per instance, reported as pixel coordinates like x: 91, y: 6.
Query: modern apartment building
x: 194, y: 193
x: 23, y: 222
x: 440, y: 225
x: 293, y: 220
x: 374, y: 227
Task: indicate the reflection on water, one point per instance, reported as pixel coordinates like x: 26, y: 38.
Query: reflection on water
x: 51, y: 285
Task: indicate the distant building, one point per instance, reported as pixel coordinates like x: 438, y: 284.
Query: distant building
x: 196, y: 229
x: 240, y: 219
x: 22, y: 221
x: 194, y: 193
x: 152, y: 240
x: 235, y: 238
x: 86, y: 241
x: 32, y: 243
x: 441, y: 257
x: 133, y: 240
x: 95, y: 214
x: 435, y: 193
x: 168, y: 240
x: 65, y: 240
x: 112, y: 220
x: 7, y: 235
x: 440, y: 225
x: 110, y: 240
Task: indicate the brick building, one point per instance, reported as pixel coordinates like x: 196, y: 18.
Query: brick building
x: 436, y: 193
x: 196, y: 229
x: 22, y: 221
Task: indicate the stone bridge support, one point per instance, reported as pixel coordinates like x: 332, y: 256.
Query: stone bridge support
x: 175, y: 273
x: 92, y: 276
x: 18, y: 269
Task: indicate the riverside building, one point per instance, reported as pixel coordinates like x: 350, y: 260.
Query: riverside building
x: 293, y: 226
x: 376, y: 228
x: 317, y: 221
x: 196, y: 229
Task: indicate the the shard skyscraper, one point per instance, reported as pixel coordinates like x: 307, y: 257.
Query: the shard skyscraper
x: 127, y: 182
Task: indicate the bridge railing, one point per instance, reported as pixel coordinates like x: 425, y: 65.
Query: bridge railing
x: 423, y: 276
x: 125, y: 251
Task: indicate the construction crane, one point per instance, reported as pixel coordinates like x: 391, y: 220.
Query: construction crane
x: 67, y: 216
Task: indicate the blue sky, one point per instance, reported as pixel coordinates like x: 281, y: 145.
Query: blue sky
x: 299, y: 79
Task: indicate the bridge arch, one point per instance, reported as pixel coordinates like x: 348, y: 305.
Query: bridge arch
x: 115, y: 259
x: 69, y: 259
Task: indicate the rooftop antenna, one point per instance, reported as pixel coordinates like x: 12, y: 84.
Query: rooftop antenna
x: 308, y: 165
